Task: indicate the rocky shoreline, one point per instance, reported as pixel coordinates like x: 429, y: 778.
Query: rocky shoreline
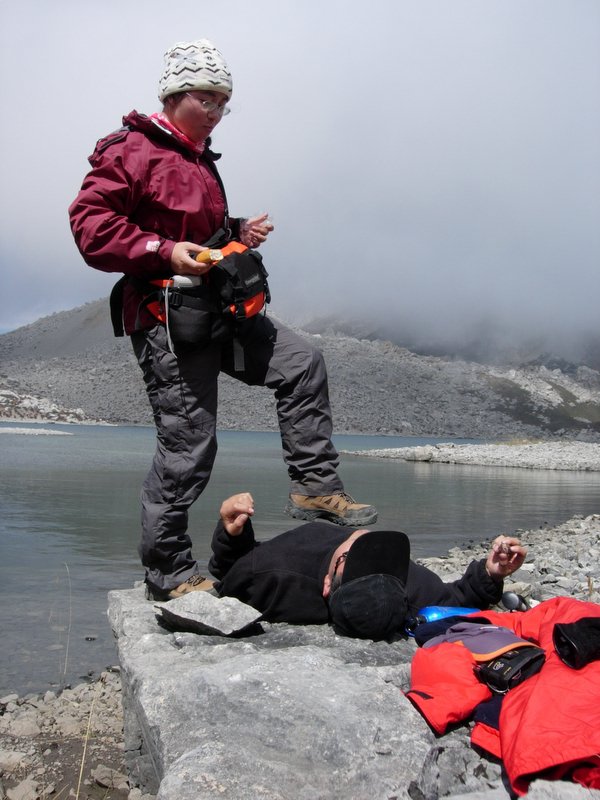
x: 72, y: 742
x: 526, y: 455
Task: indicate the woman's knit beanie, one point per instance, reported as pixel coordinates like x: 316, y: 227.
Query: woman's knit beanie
x: 194, y: 66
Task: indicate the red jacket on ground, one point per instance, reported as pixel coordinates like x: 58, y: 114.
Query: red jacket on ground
x: 549, y: 725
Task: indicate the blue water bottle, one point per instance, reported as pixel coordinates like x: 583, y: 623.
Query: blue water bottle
x: 433, y: 613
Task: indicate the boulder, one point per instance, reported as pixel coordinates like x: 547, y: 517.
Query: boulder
x: 289, y: 711
x: 247, y: 710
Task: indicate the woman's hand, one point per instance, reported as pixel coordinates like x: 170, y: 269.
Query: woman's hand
x: 183, y: 259
x: 254, y: 231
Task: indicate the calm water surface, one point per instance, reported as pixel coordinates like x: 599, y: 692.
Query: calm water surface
x: 69, y: 525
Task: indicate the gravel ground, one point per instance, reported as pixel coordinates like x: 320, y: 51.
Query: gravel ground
x: 65, y: 744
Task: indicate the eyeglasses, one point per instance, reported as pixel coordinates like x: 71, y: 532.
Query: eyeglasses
x: 340, y: 560
x: 209, y: 106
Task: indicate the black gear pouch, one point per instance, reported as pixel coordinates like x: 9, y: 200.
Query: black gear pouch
x: 188, y: 316
x: 239, y: 284
x: 511, y: 668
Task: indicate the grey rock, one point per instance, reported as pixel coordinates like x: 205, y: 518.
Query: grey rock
x: 21, y: 723
x: 274, y: 715
x: 560, y: 790
x: 451, y: 766
x: 488, y: 794
x: 26, y: 790
x: 200, y: 612
x: 9, y: 699
x: 109, y: 778
x: 539, y: 790
x: 11, y: 760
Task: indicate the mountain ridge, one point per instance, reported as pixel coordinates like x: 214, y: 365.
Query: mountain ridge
x: 71, y: 359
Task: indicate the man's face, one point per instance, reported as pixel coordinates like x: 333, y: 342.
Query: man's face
x: 338, y: 561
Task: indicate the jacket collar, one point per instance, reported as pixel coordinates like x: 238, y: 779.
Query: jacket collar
x: 158, y: 127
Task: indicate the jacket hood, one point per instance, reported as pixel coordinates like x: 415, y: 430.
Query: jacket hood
x: 152, y: 129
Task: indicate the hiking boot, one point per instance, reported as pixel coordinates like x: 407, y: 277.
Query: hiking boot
x: 197, y: 583
x: 339, y: 508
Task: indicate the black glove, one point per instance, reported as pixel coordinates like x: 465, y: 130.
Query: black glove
x: 578, y: 643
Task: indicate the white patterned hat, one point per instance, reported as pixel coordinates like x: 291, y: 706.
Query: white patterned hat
x: 193, y: 66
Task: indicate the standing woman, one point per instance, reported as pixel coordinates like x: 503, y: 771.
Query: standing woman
x: 150, y: 201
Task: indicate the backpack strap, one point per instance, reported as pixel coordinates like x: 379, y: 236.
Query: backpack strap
x: 218, y: 240
x: 116, y: 306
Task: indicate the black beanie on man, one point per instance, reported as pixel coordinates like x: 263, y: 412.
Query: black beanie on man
x: 371, y: 602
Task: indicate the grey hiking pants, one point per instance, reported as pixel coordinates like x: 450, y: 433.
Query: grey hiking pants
x: 183, y: 393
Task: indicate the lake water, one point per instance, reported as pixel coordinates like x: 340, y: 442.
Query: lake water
x: 69, y: 525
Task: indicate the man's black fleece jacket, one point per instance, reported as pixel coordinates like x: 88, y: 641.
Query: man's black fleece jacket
x: 283, y: 577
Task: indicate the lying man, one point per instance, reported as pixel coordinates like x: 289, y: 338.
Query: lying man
x: 364, y: 583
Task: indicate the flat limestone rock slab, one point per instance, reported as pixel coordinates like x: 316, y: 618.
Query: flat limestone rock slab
x: 205, y: 614
x: 293, y: 712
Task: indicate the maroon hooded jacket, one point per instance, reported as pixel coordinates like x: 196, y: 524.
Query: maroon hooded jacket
x: 146, y: 191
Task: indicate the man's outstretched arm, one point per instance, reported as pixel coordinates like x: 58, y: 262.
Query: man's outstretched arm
x: 234, y: 535
x: 481, y: 586
x: 483, y: 582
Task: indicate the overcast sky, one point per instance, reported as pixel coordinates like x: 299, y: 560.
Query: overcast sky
x: 426, y: 162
